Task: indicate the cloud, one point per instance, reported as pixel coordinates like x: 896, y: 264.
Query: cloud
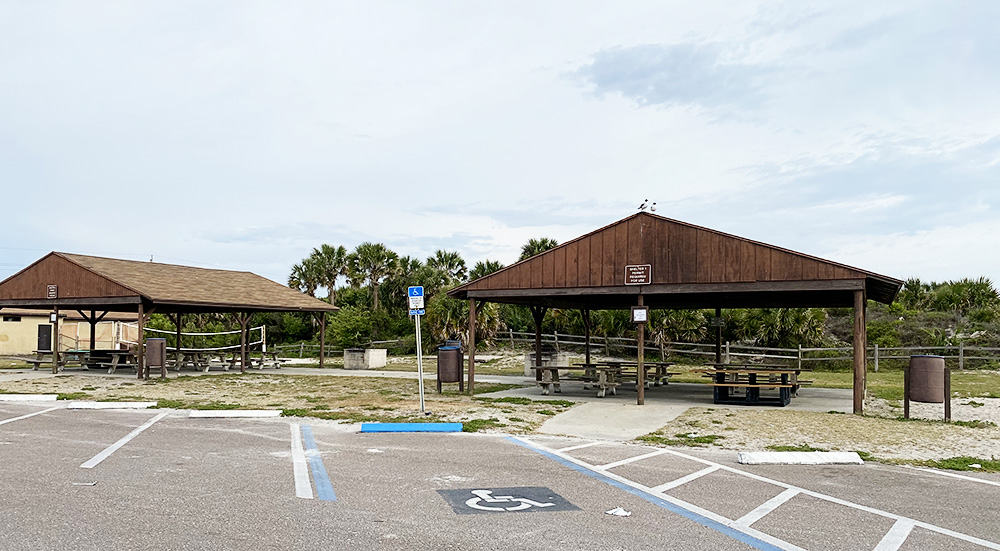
x: 699, y: 74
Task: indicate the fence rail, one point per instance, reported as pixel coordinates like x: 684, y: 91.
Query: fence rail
x: 958, y: 353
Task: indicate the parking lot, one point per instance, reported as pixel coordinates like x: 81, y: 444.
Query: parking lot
x: 152, y: 479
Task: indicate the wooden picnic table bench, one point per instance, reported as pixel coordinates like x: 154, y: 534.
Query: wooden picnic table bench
x: 603, y: 378
x: 753, y: 378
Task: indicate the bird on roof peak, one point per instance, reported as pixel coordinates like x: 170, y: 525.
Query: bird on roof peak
x: 646, y: 205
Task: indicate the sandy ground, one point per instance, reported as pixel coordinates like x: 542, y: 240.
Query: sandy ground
x: 349, y: 398
x: 962, y: 409
x: 748, y: 430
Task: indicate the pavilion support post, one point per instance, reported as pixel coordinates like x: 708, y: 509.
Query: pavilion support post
x: 140, y: 344
x: 640, y: 375
x: 177, y: 344
x: 860, y: 338
x: 586, y: 328
x: 472, y: 346
x: 92, y: 320
x: 538, y: 314
x: 55, y: 342
x: 322, y: 339
x: 244, y: 320
x: 718, y: 336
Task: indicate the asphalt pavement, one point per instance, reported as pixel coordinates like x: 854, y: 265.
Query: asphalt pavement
x: 139, y: 479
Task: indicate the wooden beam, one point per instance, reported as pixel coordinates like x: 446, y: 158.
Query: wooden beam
x: 322, y: 338
x: 140, y: 347
x: 177, y: 352
x: 472, y: 346
x: 860, y: 342
x: 93, y: 330
x: 586, y: 326
x: 718, y: 338
x: 55, y: 342
x: 640, y: 375
x: 678, y: 288
x: 244, y: 320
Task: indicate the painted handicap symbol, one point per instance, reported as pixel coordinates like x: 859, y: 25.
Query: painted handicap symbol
x: 486, y: 496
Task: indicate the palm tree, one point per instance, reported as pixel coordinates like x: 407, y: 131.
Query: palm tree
x: 536, y: 246
x: 305, y: 276
x: 331, y: 263
x: 372, y: 263
x: 449, y: 262
x: 484, y: 268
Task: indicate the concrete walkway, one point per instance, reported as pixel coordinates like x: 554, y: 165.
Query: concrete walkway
x: 619, y: 418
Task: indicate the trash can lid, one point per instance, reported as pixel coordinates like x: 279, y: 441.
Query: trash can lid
x: 919, y: 356
x: 449, y: 347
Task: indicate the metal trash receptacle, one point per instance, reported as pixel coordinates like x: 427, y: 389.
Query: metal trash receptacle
x: 156, y: 352
x: 449, y: 366
x: 927, y: 379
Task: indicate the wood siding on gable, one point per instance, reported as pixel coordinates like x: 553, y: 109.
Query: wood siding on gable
x: 72, y: 280
x: 678, y: 253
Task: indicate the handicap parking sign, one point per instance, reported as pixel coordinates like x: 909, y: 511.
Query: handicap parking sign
x: 415, y: 294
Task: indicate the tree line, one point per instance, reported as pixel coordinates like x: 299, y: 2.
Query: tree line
x: 369, y: 284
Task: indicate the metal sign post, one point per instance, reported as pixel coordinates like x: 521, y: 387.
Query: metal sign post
x: 415, y: 296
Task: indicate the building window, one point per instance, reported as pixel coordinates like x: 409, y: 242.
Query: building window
x: 12, y: 318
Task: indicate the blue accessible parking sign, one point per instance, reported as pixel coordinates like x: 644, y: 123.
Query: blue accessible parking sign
x: 415, y: 296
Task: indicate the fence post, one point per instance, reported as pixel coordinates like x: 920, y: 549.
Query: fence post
x: 800, y: 357
x: 663, y: 355
x: 511, y: 338
x: 607, y: 352
x: 876, y: 358
x: 961, y: 355
x: 302, y: 348
x: 727, y: 352
x: 555, y: 338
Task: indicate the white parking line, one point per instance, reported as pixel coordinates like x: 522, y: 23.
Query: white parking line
x: 631, y: 460
x: 838, y: 501
x: 916, y: 523
x: 96, y: 460
x: 302, y: 487
x: 960, y: 476
x: 766, y: 507
x: 579, y: 446
x: 12, y: 419
x: 896, y: 535
x: 685, y: 479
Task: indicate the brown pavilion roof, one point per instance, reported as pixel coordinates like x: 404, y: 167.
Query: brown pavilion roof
x: 113, y: 284
x: 691, y: 267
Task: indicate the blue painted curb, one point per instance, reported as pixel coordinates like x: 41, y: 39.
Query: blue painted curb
x: 411, y: 427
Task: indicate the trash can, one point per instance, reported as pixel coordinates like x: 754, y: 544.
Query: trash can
x: 156, y: 352
x: 449, y: 366
x: 927, y: 379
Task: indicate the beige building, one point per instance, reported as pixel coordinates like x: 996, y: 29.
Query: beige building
x: 20, y: 330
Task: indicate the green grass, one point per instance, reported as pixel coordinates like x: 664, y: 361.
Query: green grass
x: 887, y: 383
x: 799, y: 448
x: 72, y: 396
x: 961, y: 463
x: 476, y: 425
x: 181, y: 404
x: 681, y: 439
x: 526, y: 401
x: 358, y: 417
x: 546, y: 412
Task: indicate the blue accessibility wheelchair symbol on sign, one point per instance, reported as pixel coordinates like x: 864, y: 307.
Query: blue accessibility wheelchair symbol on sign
x: 416, y: 291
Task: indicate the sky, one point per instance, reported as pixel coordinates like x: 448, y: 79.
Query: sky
x: 240, y: 135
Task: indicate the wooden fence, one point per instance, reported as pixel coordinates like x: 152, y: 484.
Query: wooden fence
x: 961, y: 354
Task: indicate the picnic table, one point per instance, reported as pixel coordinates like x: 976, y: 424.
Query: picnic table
x: 727, y: 378
x: 661, y: 374
x: 602, y: 376
x: 119, y: 358
x: 65, y: 358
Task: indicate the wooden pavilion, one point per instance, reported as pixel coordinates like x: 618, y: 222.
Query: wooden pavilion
x: 654, y: 261
x: 94, y: 286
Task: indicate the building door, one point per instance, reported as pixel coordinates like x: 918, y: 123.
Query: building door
x: 44, y: 336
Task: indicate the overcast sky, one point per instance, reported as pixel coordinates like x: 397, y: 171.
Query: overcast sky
x: 242, y: 134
